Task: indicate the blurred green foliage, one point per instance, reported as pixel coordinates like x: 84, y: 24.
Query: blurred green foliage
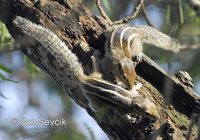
x: 5, y: 39
x: 32, y: 68
x: 65, y: 135
x: 6, y: 44
x: 4, y: 35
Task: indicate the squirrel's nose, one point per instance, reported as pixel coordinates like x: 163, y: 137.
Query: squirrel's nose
x: 137, y: 59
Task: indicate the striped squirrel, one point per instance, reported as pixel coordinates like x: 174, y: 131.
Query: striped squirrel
x: 123, y: 50
x: 90, y: 84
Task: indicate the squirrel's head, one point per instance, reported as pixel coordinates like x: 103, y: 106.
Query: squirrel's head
x: 125, y: 72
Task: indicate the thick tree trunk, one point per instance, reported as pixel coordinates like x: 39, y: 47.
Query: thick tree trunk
x: 83, y: 33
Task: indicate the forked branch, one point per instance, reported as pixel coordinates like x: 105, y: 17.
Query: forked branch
x: 121, y: 21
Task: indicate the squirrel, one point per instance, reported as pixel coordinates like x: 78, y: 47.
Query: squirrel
x: 93, y: 83
x: 123, y: 50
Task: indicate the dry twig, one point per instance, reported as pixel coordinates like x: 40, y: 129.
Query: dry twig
x: 132, y: 15
x: 121, y: 21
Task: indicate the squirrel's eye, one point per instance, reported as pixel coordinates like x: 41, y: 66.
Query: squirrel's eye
x: 111, y: 75
x: 119, y: 67
x: 124, y: 77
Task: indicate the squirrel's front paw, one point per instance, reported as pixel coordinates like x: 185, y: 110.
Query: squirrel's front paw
x: 135, y: 88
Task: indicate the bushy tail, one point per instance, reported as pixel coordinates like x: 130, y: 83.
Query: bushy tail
x: 52, y: 43
x: 154, y: 37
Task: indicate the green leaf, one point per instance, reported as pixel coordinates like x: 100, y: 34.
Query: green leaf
x: 32, y: 68
x: 168, y: 12
x: 174, y: 29
x: 181, y: 12
x: 3, y: 68
x: 2, y: 77
x: 3, y: 32
x: 5, y: 37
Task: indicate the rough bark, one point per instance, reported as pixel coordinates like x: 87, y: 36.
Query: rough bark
x: 83, y: 32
